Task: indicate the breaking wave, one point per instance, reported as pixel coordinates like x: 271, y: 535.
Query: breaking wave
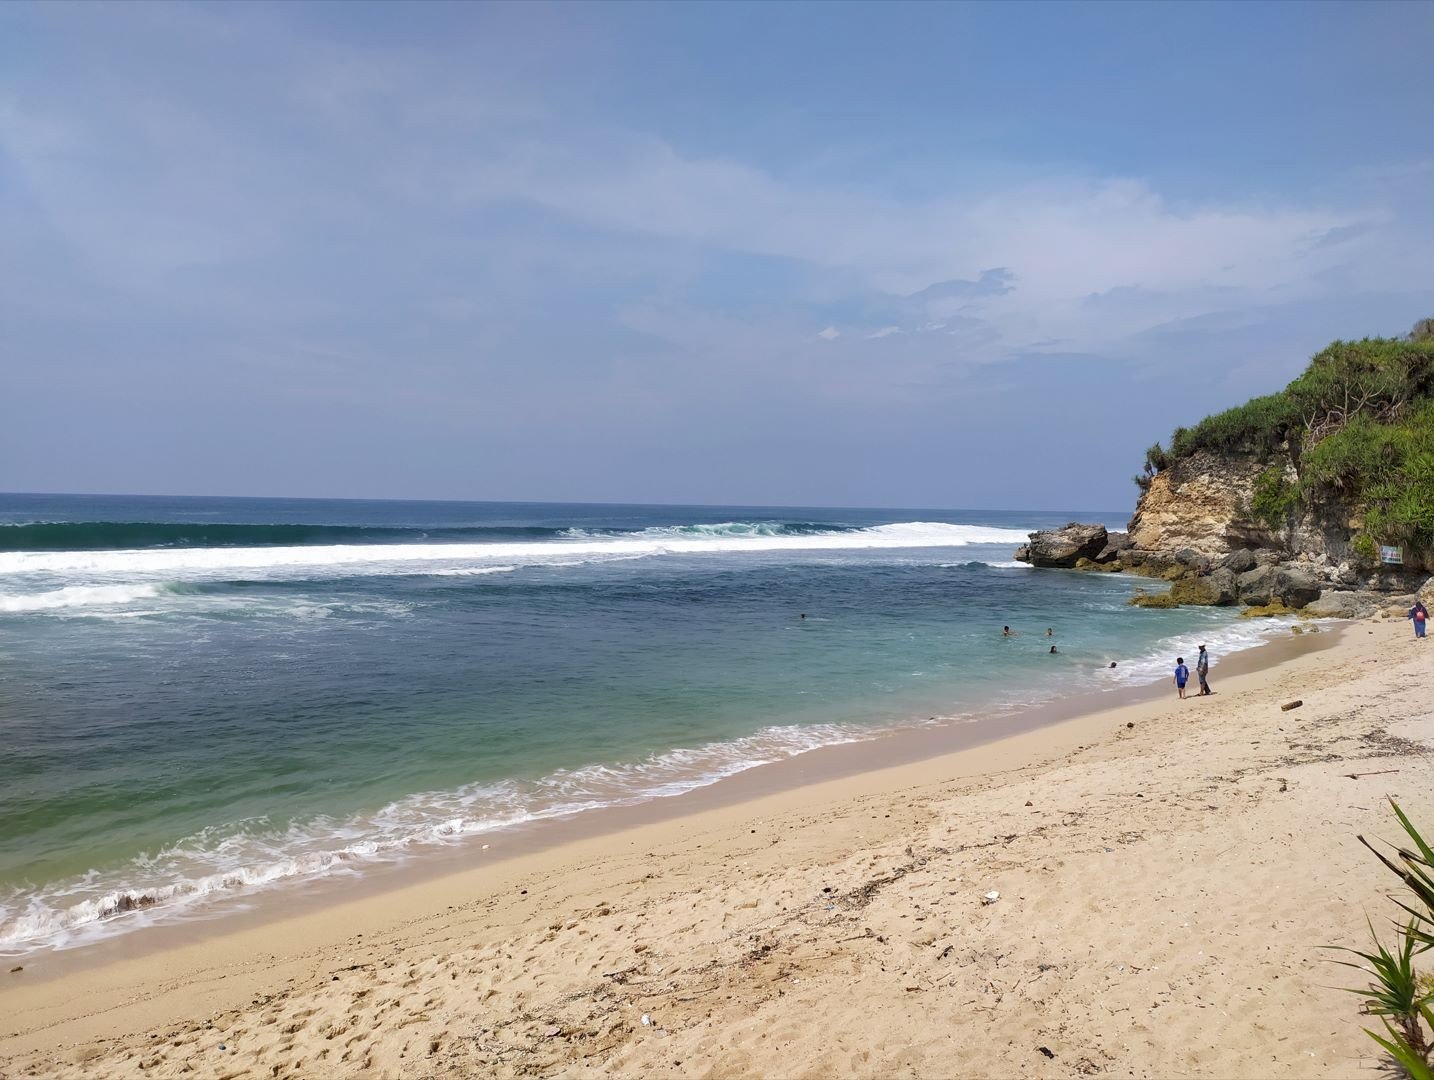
x: 77, y: 596
x: 201, y: 563
x: 121, y: 535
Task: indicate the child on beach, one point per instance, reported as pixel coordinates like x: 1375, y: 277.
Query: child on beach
x: 1182, y: 674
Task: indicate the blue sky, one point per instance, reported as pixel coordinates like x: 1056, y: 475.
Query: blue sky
x: 820, y: 254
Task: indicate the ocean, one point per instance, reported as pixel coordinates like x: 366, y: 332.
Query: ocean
x: 202, y: 699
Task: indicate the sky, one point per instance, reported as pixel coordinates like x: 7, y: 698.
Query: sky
x: 906, y: 255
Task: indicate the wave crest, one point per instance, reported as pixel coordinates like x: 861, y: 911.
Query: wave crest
x: 206, y: 563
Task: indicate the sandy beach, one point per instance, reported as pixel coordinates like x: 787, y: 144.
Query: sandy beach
x: 1167, y: 872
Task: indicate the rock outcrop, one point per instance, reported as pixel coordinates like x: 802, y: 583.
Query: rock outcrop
x: 1201, y: 504
x: 1116, y: 544
x: 1277, y: 584
x: 1194, y: 527
x: 1340, y: 604
x: 1066, y: 546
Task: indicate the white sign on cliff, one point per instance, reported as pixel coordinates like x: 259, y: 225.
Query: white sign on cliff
x: 1393, y: 556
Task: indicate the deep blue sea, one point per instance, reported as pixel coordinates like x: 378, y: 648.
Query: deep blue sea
x: 202, y: 698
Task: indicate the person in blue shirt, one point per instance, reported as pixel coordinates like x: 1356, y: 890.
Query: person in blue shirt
x: 1182, y: 674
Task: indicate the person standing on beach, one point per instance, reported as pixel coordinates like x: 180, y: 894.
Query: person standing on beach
x: 1418, y: 615
x: 1182, y: 675
x: 1202, y: 670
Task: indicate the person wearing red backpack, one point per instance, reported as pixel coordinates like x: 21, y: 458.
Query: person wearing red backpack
x: 1419, y: 615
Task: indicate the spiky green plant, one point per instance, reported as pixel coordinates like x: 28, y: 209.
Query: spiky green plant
x: 1396, y: 997
x: 1398, y: 993
x: 1416, y: 870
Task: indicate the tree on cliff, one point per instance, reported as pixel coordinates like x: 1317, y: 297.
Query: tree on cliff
x: 1355, y: 429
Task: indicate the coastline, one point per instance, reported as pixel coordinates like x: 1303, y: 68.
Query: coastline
x: 901, y: 744
x: 672, y: 876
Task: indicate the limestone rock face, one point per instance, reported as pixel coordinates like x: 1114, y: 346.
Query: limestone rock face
x: 1116, y: 544
x: 1341, y: 604
x: 1201, y: 504
x: 1240, y: 562
x: 1271, y: 584
x: 1224, y: 584
x: 1065, y: 546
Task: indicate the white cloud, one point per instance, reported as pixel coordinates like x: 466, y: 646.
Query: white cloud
x: 831, y: 333
x: 1063, y: 238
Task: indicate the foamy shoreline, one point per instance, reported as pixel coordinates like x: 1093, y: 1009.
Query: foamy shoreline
x: 717, y: 925
x: 458, y: 827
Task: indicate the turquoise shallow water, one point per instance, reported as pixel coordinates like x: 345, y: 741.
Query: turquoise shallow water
x: 201, y: 698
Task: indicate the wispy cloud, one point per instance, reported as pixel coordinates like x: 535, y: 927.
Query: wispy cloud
x: 231, y: 196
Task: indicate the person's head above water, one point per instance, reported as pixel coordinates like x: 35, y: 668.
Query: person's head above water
x: 1053, y: 648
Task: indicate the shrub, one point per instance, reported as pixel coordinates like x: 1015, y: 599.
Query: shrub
x: 1274, y: 500
x: 1259, y: 426
x: 1360, y: 454
x: 1358, y: 426
x: 1366, y: 551
x: 1376, y: 377
x: 1386, y: 470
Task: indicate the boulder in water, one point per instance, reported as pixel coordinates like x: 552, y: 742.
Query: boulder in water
x: 1065, y: 546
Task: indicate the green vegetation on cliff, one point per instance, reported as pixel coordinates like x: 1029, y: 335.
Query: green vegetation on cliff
x: 1355, y: 430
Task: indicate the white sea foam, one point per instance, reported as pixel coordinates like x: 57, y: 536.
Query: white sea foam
x: 1220, y: 638
x: 473, y: 571
x: 76, y: 596
x: 216, y: 864
x: 717, y: 529
x: 1000, y: 564
x: 72, y: 582
x: 402, y: 558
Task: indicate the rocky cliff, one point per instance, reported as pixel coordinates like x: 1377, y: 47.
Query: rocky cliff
x: 1200, y: 510
x: 1289, y: 494
x: 1201, y: 505
x: 1195, y: 525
